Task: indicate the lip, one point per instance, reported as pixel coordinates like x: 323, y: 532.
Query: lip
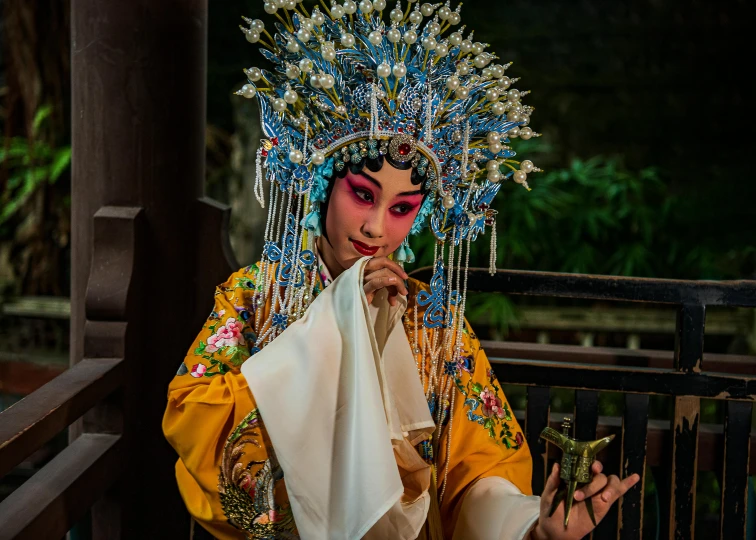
x: 364, y: 249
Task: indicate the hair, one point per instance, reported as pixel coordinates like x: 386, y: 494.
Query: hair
x: 373, y: 165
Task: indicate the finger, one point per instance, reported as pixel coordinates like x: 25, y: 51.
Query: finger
x: 629, y: 482
x: 387, y: 273
x: 597, y: 467
x: 613, y: 490
x: 379, y: 283
x: 384, y: 262
x: 552, y: 483
x: 596, y: 484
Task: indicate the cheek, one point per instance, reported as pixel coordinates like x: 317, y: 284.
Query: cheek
x: 344, y: 214
x: 397, y: 228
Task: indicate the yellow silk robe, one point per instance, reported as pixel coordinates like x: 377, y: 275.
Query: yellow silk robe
x: 227, y: 472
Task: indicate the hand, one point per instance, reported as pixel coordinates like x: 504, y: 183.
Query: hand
x: 383, y: 273
x: 602, y: 490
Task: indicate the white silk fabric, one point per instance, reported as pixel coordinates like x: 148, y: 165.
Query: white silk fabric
x: 342, y: 403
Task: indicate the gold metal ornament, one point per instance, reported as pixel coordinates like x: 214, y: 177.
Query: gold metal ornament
x: 575, y: 468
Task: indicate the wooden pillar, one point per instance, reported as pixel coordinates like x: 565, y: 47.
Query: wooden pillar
x: 138, y: 121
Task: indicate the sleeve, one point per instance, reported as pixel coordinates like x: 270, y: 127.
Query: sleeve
x: 486, y: 440
x: 208, y: 399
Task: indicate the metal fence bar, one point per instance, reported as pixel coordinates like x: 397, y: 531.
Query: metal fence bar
x: 737, y: 427
x: 48, y: 504
x: 537, y: 418
x: 633, y: 460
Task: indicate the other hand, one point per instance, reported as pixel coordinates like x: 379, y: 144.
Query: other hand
x: 383, y: 273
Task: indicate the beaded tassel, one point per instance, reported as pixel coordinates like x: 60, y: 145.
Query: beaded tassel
x: 492, y: 255
x: 258, y: 189
x: 429, y: 115
x: 373, y: 111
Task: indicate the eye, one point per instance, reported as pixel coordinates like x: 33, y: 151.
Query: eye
x: 363, y: 194
x: 402, y: 209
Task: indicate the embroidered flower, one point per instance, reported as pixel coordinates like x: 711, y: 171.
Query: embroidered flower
x: 519, y: 439
x: 491, y: 404
x: 228, y: 335
x: 198, y: 370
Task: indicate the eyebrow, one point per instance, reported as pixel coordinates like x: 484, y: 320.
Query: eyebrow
x: 377, y: 183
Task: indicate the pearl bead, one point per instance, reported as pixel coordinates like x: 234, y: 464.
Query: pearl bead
x: 426, y: 9
x: 304, y: 35
x: 498, y: 108
x: 308, y: 24
x: 290, y: 4
x: 295, y: 156
x: 317, y: 17
x: 383, y: 70
x: 328, y: 53
x: 515, y: 106
x: 463, y: 68
x: 434, y: 28
x: 257, y: 25
x: 396, y: 15
x: 513, y: 116
x: 279, y: 105
x: 524, y: 120
x: 347, y: 40
x: 494, y: 176
x: 290, y: 96
x: 497, y: 71
x: 513, y: 95
x: 452, y: 83
x: 486, y: 74
x: 492, y: 165
x: 492, y: 94
x: 350, y: 8
x: 462, y: 92
x: 410, y: 37
x: 254, y: 74
x: 495, y: 148
x: 454, y: 18
x: 292, y: 46
x: 504, y: 83
x: 292, y: 72
x: 315, y: 80
x: 375, y: 37
x: 366, y: 6
x: 327, y: 81
x: 527, y: 166
x: 270, y: 8
x: 456, y: 136
x: 442, y: 49
x: 337, y: 12
x: 480, y: 61
x: 526, y: 133
x: 465, y: 46
x: 520, y: 177
x: 379, y: 5
x: 513, y: 133
x: 394, y: 35
x: 248, y: 91
x: 478, y: 47
x: 416, y: 17
x: 444, y: 13
x: 429, y: 43
x: 455, y: 38
x: 317, y: 157
x: 252, y: 36
x: 399, y: 70
x: 493, y: 137
x: 305, y: 65
x: 449, y: 202
x: 279, y: 3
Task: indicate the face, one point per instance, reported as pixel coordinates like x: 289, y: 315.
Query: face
x: 369, y: 213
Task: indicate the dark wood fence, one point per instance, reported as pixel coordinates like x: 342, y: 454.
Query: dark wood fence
x: 540, y: 368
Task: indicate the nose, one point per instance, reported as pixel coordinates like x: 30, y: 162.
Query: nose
x: 373, y: 227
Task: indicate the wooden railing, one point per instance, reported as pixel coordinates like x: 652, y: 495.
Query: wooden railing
x: 685, y: 381
x: 63, y: 490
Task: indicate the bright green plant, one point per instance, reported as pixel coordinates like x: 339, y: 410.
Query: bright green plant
x: 29, y: 164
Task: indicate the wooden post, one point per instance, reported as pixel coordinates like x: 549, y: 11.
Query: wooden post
x: 138, y: 132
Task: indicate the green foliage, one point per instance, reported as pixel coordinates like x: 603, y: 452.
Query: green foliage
x: 30, y: 164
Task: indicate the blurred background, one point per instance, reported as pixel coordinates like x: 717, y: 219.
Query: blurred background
x: 647, y: 114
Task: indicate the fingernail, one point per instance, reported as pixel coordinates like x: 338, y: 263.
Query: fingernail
x: 604, y: 497
x: 578, y: 495
x: 392, y: 279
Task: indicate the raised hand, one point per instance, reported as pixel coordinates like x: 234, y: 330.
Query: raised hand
x: 383, y: 273
x: 603, y: 492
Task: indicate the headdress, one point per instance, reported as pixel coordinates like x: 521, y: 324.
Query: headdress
x: 348, y: 86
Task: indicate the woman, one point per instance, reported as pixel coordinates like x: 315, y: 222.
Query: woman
x: 369, y: 141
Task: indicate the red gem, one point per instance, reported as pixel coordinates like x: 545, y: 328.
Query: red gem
x: 274, y: 140
x: 264, y: 152
x: 400, y: 130
x: 404, y: 149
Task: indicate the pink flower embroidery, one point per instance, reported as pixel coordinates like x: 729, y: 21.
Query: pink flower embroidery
x: 228, y: 335
x: 198, y: 370
x: 491, y: 404
x: 519, y: 439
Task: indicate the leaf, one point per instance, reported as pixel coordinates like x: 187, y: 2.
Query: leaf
x: 61, y: 161
x: 40, y: 116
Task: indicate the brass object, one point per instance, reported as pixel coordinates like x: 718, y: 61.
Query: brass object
x: 577, y: 458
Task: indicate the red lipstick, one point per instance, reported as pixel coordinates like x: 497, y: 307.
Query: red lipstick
x: 365, y: 249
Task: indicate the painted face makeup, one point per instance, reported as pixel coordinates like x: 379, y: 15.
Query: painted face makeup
x: 369, y: 214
